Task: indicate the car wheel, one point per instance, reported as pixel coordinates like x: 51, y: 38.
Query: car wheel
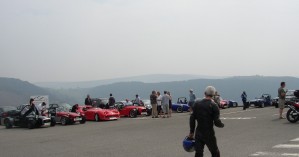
x: 179, y: 109
x: 31, y: 124
x: 235, y: 104
x: 96, y: 117
x: 8, y: 124
x: 53, y: 122
x: 83, y: 120
x: 262, y: 105
x: 291, y: 117
x: 64, y: 121
x: 133, y: 114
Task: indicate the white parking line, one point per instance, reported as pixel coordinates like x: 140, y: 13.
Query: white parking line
x: 292, y: 146
x: 275, y: 154
x: 237, y: 118
x: 295, y: 140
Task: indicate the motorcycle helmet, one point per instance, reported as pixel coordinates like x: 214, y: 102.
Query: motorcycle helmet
x: 189, y: 144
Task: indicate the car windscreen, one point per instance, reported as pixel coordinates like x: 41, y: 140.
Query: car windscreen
x: 290, y: 93
x: 8, y: 108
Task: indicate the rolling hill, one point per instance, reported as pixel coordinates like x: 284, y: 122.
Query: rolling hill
x: 14, y: 92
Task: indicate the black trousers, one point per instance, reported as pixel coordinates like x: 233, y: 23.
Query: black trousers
x: 210, y: 141
x: 244, y: 105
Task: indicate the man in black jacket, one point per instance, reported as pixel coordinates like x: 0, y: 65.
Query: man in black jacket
x: 206, y: 113
x: 88, y: 100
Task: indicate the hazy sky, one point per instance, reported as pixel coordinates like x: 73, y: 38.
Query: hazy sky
x: 78, y: 40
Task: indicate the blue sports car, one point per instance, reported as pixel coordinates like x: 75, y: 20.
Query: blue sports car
x: 181, y: 105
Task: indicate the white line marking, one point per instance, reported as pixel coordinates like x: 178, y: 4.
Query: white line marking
x: 295, y: 146
x: 295, y: 140
x: 289, y: 154
x: 274, y: 154
x: 237, y: 118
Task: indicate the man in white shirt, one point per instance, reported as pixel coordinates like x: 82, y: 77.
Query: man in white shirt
x: 159, y: 102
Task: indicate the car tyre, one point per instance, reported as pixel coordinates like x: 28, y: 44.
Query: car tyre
x: 262, y: 105
x: 236, y: 104
x: 179, y: 109
x: 8, y: 124
x: 133, y: 114
x: 31, y: 124
x: 83, y: 120
x: 96, y: 117
x: 291, y: 118
x: 64, y: 121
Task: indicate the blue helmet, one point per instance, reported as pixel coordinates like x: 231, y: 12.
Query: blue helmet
x: 189, y: 144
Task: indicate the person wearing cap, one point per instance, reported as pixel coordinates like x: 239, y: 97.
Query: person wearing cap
x: 191, y: 100
x: 206, y: 113
x: 88, y: 100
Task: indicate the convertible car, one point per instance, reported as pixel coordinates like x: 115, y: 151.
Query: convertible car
x: 131, y: 111
x: 63, y: 115
x: 264, y: 100
x: 181, y: 105
x: 227, y: 104
x: 32, y: 120
x: 99, y: 114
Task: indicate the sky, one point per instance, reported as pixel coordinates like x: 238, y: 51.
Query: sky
x: 81, y: 40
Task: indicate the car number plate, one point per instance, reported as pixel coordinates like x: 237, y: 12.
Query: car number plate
x: 112, y: 118
x: 78, y: 119
x: 144, y: 113
x: 47, y: 124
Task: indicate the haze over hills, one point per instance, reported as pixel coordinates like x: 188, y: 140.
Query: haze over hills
x: 15, y: 91
x: 144, y: 78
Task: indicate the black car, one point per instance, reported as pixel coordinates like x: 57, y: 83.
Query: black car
x: 32, y: 120
x: 5, y: 111
x: 264, y: 100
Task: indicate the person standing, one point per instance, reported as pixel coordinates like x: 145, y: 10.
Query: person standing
x: 111, y: 101
x: 137, y: 100
x: 217, y: 99
x: 170, y: 103
x: 192, y: 98
x: 281, y: 99
x: 165, y: 104
x: 159, y: 102
x: 153, y: 98
x: 244, y: 99
x: 88, y: 100
x: 206, y: 113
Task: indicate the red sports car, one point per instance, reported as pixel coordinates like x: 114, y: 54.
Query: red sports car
x: 63, y: 115
x: 129, y: 110
x: 97, y: 114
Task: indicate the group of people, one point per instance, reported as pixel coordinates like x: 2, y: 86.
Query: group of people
x: 161, y: 104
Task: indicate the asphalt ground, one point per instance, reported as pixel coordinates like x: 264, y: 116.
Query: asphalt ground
x: 254, y: 132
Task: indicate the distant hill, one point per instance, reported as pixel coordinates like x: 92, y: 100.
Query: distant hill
x: 145, y: 79
x: 229, y: 88
x: 14, y: 92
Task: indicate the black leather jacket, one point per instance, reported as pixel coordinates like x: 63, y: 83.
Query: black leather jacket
x: 206, y: 113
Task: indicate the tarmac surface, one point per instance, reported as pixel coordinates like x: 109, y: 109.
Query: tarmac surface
x: 254, y: 132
